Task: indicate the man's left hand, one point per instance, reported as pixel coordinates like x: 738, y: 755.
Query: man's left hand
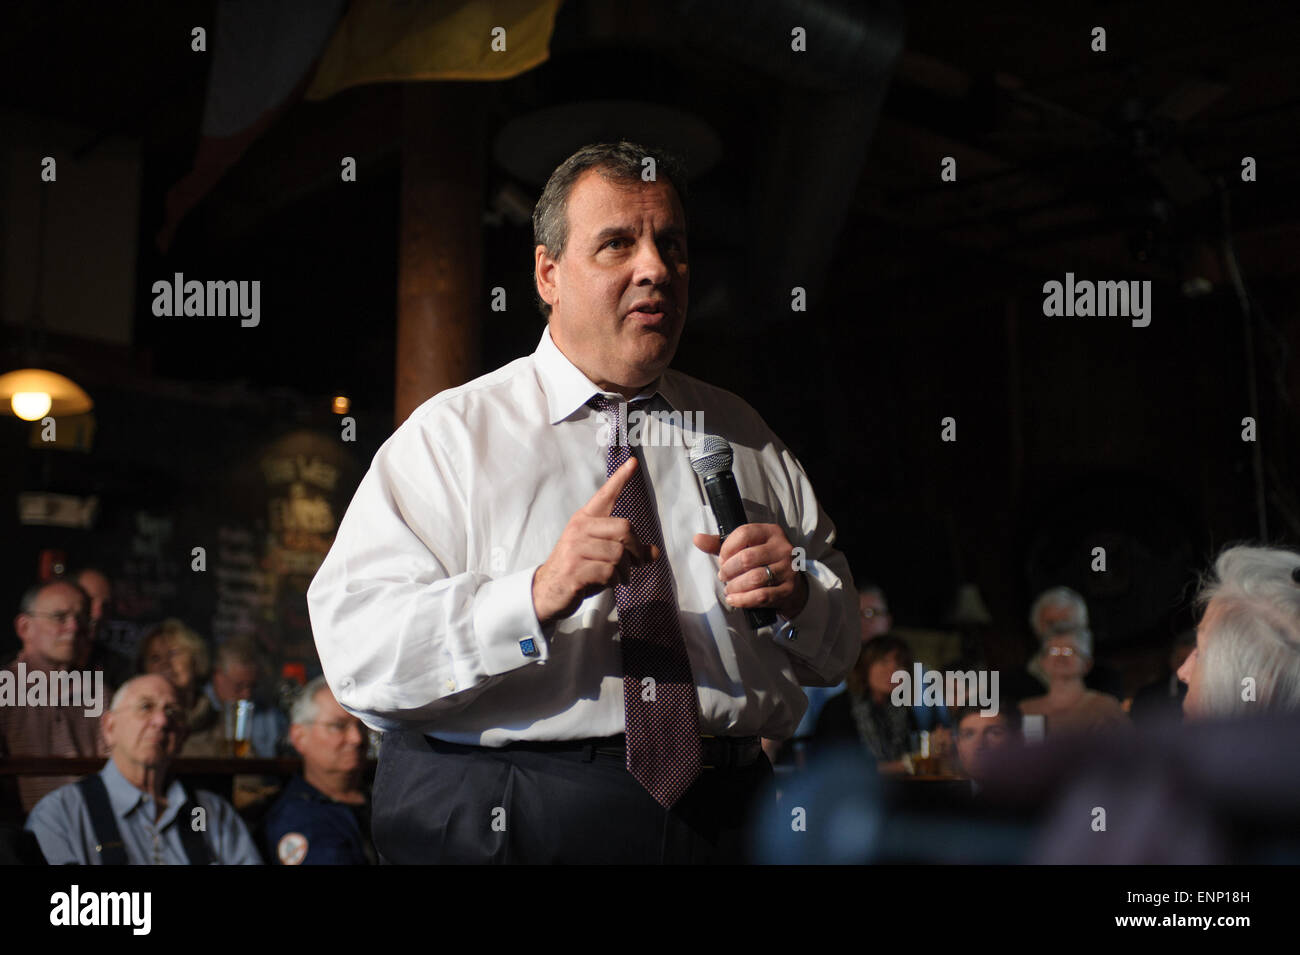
x: 744, y: 554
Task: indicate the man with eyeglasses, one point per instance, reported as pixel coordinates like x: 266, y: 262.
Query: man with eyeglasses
x: 323, y: 816
x: 131, y: 812
x: 51, y: 621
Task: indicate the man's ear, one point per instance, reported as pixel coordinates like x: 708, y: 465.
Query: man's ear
x: 106, y: 724
x: 23, y: 627
x: 544, y: 274
x: 295, y: 736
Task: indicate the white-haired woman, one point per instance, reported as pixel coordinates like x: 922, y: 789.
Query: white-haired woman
x: 1247, y: 656
x: 1068, y: 704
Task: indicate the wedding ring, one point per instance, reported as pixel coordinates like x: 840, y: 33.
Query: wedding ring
x: 771, y: 577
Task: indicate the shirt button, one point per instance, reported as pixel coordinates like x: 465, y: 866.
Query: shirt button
x: 450, y: 685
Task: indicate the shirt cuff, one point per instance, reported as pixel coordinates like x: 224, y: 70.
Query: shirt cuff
x: 805, y: 635
x: 505, y: 624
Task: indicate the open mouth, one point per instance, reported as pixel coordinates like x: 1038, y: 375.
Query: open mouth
x: 649, y: 312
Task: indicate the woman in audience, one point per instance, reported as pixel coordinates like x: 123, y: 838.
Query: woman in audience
x: 174, y: 651
x: 864, y: 711
x: 1247, y: 656
x: 1068, y: 704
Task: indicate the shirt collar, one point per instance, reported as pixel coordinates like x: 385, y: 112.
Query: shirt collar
x: 298, y: 786
x: 567, y: 389
x: 125, y: 798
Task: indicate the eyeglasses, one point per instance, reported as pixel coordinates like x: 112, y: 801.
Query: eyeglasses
x: 337, y: 728
x: 61, y: 617
x: 871, y: 612
x: 145, y: 709
x: 1060, y: 651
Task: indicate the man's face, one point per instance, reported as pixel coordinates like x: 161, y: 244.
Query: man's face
x: 236, y: 682
x: 55, y: 625
x: 626, y: 245
x: 99, y: 590
x: 147, y: 728
x: 873, y: 614
x: 976, y: 735
x: 334, y: 742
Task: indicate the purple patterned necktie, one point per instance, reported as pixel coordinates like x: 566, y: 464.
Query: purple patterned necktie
x: 662, y: 713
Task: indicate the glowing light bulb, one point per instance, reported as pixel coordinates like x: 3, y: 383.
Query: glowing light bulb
x: 30, y: 405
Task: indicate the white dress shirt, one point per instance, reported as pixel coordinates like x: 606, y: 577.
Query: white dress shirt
x: 423, y: 614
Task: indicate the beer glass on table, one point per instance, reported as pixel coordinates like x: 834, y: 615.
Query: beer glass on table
x: 238, y: 717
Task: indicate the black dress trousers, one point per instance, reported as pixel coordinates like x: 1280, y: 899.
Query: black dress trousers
x: 436, y: 802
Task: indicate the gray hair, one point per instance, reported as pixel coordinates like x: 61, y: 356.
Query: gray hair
x: 619, y: 162
x: 1059, y: 597
x: 305, y: 706
x: 1251, y: 628
x: 122, y: 690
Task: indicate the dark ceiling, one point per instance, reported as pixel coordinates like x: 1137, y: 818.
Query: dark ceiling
x: 1063, y: 153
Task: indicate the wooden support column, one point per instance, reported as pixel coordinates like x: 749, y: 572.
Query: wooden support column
x: 440, y: 244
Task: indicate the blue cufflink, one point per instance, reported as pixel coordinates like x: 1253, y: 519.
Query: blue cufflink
x: 792, y: 633
x: 528, y: 647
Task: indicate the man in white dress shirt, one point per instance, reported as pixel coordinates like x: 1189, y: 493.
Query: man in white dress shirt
x: 469, y: 605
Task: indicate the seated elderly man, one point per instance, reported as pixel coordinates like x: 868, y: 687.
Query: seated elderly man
x: 93, y: 650
x: 323, y: 816
x: 235, y: 676
x: 1247, y: 656
x: 130, y: 813
x: 51, y: 619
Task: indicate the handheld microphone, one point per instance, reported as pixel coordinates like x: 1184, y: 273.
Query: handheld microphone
x: 711, y: 458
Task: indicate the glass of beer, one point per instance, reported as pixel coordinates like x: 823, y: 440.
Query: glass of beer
x: 923, y: 762
x: 238, y: 716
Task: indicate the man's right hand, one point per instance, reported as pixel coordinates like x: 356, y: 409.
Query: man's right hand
x: 594, y: 552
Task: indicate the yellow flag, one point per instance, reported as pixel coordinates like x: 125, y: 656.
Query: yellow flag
x: 384, y: 41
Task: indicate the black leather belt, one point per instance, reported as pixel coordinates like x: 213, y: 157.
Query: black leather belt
x: 716, y: 752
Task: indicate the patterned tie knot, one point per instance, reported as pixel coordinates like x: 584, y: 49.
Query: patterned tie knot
x: 614, y: 409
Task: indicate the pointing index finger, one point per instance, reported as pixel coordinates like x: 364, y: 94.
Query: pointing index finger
x: 602, y: 502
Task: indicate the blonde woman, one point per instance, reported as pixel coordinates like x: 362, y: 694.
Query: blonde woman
x: 174, y: 651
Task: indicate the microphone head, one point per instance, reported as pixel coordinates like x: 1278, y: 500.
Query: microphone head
x: 710, y: 455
